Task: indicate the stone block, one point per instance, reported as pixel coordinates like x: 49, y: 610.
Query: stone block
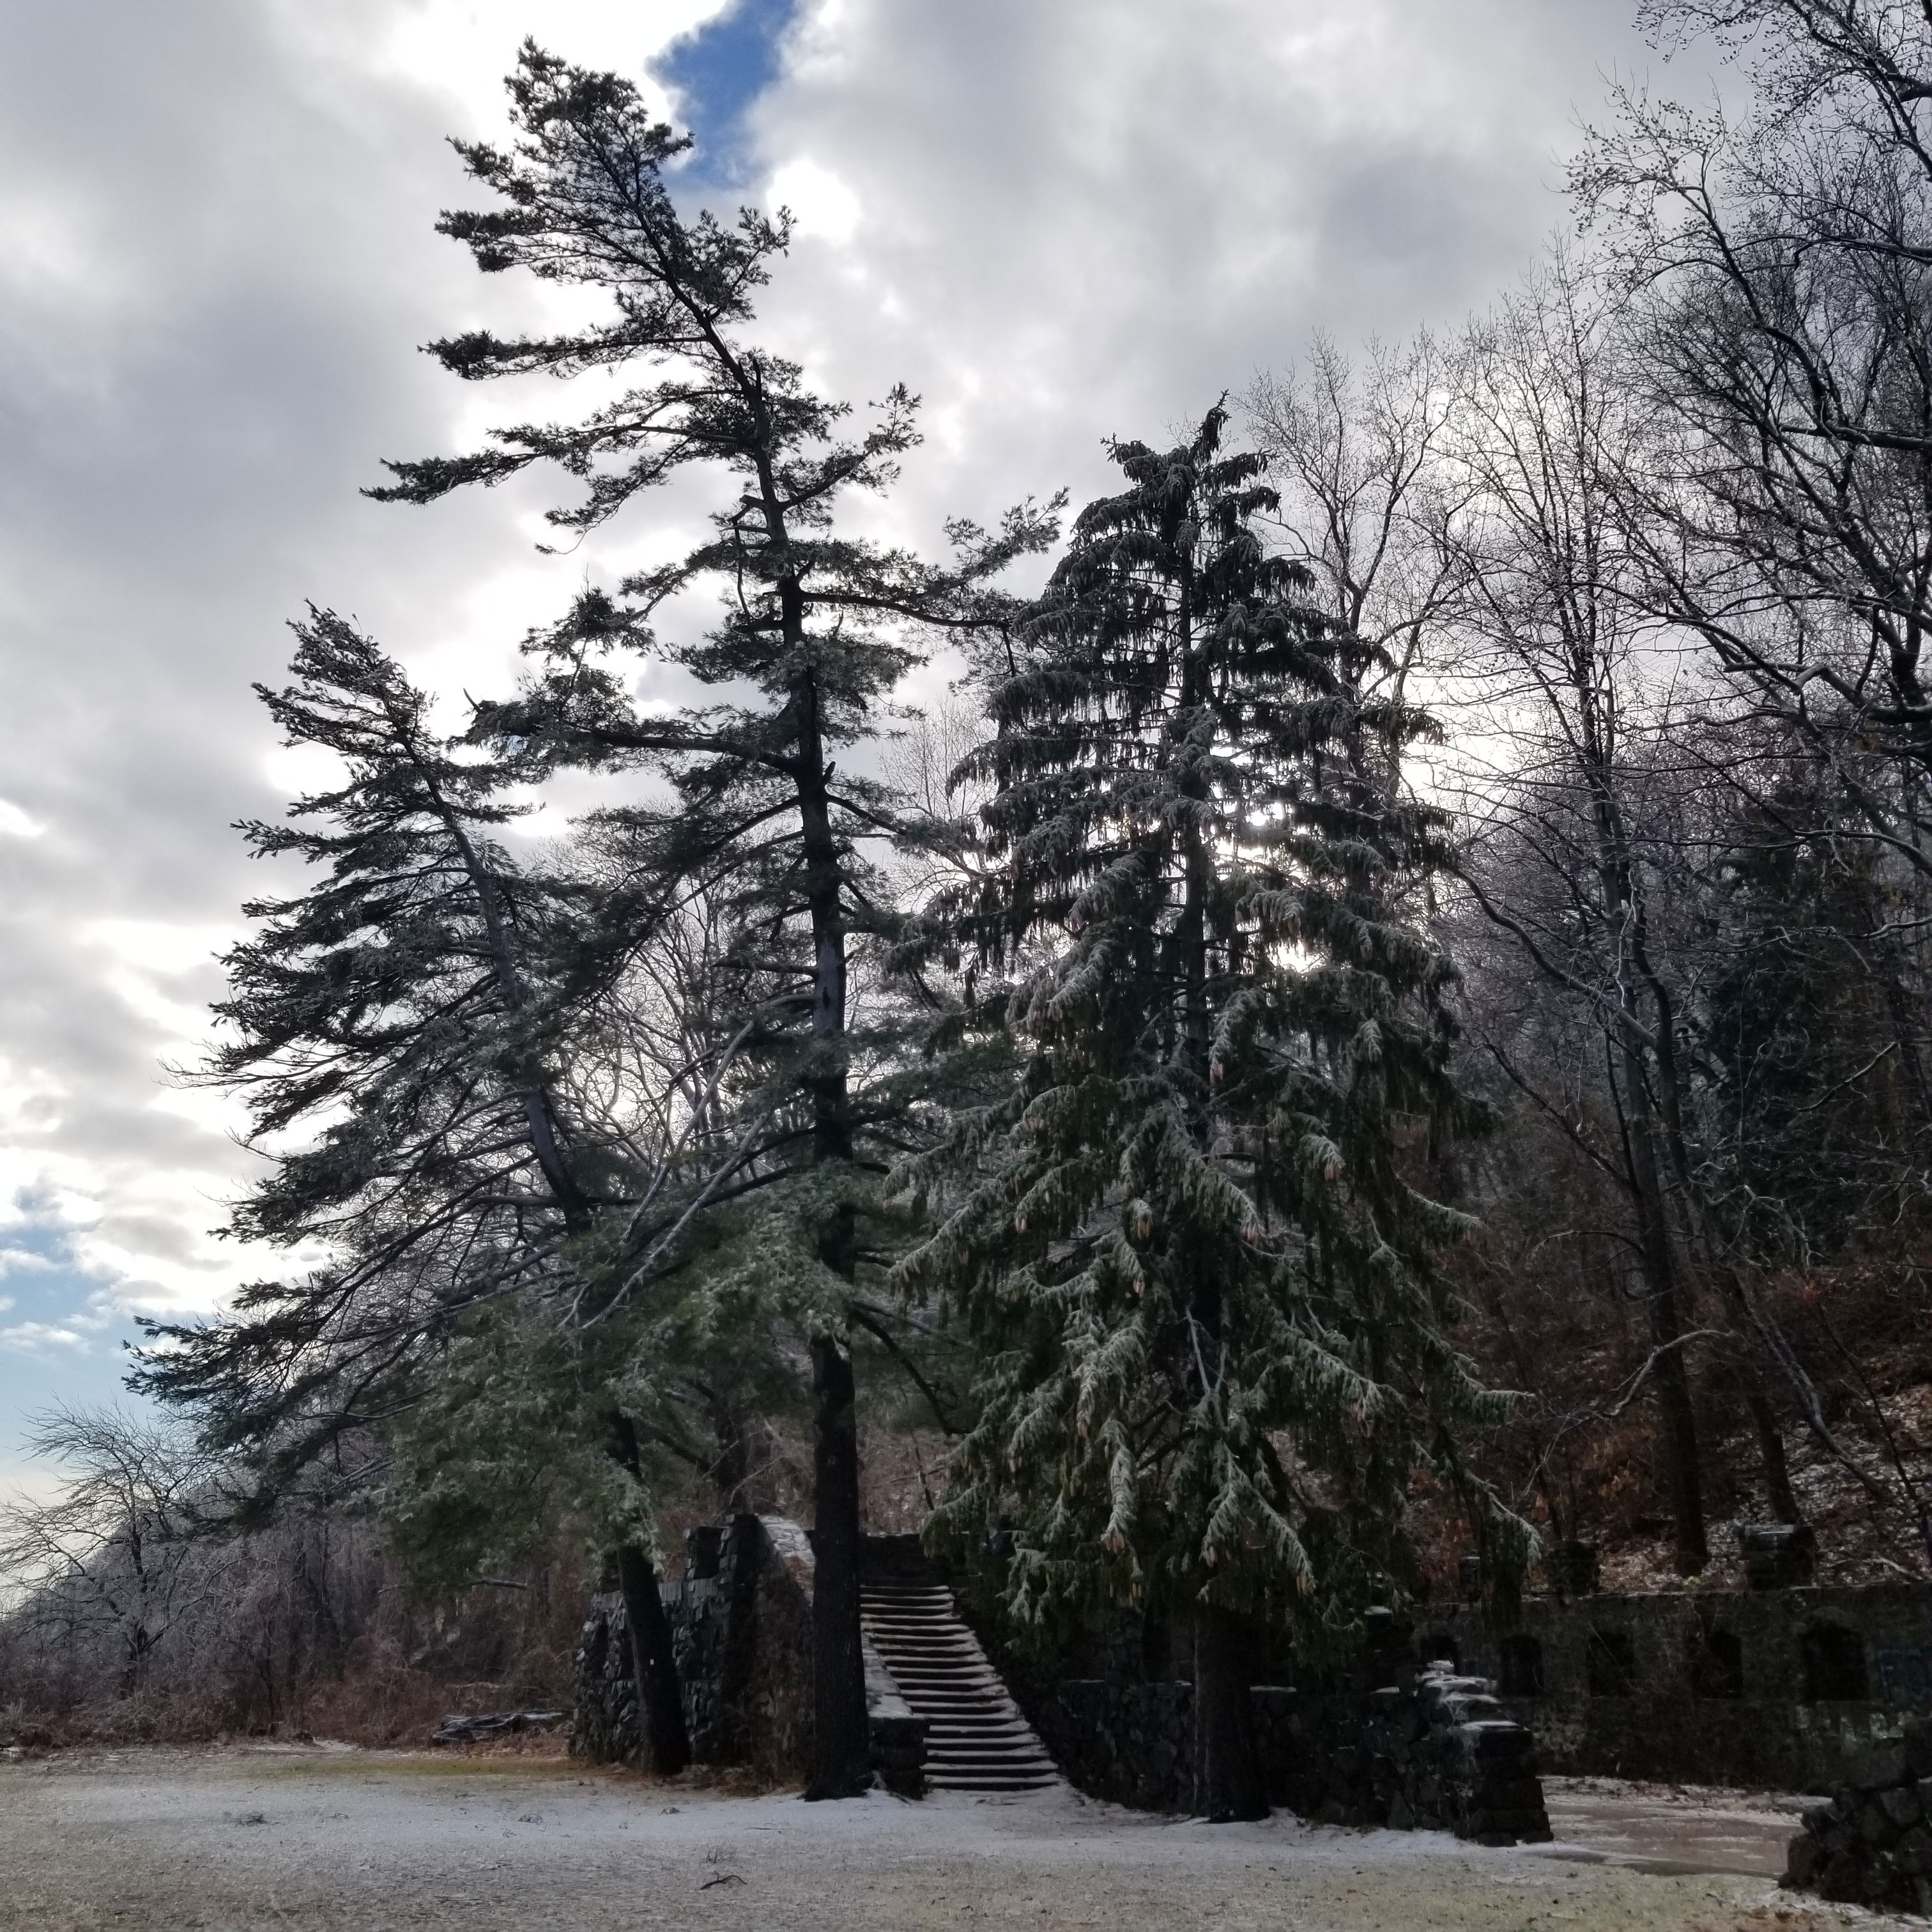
x: 1515, y: 1794
x: 1913, y: 1852
x: 1802, y: 1857
x: 1902, y: 1804
x: 1777, y: 1555
x: 1842, y: 1879
x: 1494, y: 1738
x: 1875, y: 1762
x: 1875, y: 1827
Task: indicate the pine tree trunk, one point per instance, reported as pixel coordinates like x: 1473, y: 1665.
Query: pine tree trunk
x: 841, y: 1748
x: 1228, y: 1785
x: 666, y: 1745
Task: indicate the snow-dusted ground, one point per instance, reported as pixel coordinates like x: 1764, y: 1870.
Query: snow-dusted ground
x: 320, y: 1838
x: 1662, y: 1826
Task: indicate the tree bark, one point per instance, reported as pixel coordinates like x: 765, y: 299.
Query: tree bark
x: 1228, y: 1785
x: 1683, y: 1473
x: 842, y: 1754
x: 1771, y: 1446
x: 667, y: 1744
x: 1783, y: 1499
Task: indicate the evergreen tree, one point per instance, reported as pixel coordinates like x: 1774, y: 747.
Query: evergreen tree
x: 398, y: 1003
x: 1188, y: 1242
x: 404, y: 1003
x: 812, y: 643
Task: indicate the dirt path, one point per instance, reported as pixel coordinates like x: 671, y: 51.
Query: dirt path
x: 319, y: 1839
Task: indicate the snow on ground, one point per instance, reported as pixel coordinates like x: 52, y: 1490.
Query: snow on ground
x: 322, y: 1838
x: 1661, y: 1827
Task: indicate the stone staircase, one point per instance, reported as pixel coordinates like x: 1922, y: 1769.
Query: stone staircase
x: 976, y: 1738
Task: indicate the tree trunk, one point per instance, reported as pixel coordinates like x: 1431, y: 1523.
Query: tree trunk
x: 1682, y: 1472
x: 1228, y: 1785
x: 666, y: 1745
x: 1691, y: 1551
x: 1783, y: 1499
x: 1771, y: 1446
x: 842, y: 1755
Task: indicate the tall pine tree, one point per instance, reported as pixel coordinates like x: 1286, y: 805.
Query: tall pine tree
x: 399, y: 1006
x: 405, y: 1007
x: 811, y: 643
x: 1188, y: 1244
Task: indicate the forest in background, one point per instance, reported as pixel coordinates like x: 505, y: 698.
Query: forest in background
x: 1386, y: 1016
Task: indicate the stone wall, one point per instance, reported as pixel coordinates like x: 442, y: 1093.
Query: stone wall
x: 1415, y: 1749
x: 741, y: 1634
x: 1872, y: 1843
x: 1787, y: 1689
x: 741, y: 1631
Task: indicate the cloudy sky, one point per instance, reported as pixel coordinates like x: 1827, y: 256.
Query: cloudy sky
x: 1054, y: 219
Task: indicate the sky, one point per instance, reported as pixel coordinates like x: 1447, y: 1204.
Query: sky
x: 1055, y: 222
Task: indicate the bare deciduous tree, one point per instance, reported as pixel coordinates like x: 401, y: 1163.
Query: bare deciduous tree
x: 111, y: 1556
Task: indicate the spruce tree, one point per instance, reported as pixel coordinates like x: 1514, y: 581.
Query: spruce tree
x: 766, y: 801
x: 1189, y: 1242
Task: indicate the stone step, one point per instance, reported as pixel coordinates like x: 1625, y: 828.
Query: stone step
x: 991, y: 1785
x: 977, y: 1738
x: 960, y: 1671
x: 943, y: 1705
x: 975, y: 1697
x: 976, y: 1761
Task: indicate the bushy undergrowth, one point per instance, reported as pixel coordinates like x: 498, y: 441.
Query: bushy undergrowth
x: 305, y: 1629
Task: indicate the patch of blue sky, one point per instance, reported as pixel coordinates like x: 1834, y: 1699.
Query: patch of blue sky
x: 714, y: 74
x: 57, y: 1346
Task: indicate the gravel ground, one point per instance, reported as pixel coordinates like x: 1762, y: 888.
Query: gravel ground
x: 324, y: 1837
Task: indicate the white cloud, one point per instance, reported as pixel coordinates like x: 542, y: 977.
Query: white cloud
x: 38, y: 1338
x: 1055, y: 222
x: 465, y: 46
x: 825, y: 206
